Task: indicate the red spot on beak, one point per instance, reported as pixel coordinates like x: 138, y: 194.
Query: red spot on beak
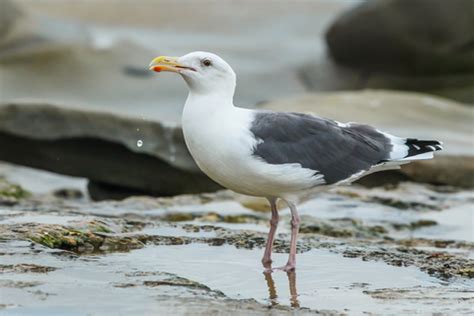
x: 157, y: 68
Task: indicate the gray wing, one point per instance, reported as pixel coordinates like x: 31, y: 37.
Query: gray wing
x: 333, y: 150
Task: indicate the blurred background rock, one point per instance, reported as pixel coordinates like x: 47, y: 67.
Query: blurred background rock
x: 77, y: 98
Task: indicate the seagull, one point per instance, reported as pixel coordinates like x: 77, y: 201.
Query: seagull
x: 276, y: 154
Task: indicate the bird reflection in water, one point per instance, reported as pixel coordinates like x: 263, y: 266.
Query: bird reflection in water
x: 272, y: 292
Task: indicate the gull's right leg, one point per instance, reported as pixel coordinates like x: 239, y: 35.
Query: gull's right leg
x: 295, y: 226
x: 267, y: 260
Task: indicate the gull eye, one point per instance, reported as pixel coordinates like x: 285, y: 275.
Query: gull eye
x: 206, y: 62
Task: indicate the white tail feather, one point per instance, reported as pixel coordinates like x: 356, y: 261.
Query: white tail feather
x: 424, y: 156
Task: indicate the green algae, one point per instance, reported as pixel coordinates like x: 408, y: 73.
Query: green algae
x: 467, y: 272
x: 67, y: 238
x: 415, y: 225
x: 343, y: 228
x: 96, y: 238
x: 213, y: 217
x: 11, y: 193
x: 179, y: 217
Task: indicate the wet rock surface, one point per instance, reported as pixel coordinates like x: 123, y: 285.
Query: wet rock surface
x: 25, y: 268
x: 202, y: 252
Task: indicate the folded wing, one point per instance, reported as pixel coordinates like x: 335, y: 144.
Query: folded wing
x: 335, y: 150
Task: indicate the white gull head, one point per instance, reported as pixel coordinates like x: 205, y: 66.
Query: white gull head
x: 205, y: 73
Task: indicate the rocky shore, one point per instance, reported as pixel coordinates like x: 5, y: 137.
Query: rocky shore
x: 402, y: 247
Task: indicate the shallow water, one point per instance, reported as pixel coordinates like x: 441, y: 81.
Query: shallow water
x: 323, y: 280
x: 455, y: 223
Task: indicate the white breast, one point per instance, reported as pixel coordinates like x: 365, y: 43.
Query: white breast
x: 219, y: 139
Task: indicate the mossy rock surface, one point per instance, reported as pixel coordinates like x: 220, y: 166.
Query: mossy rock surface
x: 11, y: 193
x: 343, y: 228
x: 94, y: 237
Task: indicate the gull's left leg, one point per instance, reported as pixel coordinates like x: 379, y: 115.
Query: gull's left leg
x: 295, y: 226
x: 266, y: 260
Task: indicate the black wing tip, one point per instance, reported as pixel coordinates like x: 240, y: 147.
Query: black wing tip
x: 418, y: 147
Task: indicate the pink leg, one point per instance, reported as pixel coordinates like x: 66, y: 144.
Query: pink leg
x: 267, y: 260
x: 295, y: 226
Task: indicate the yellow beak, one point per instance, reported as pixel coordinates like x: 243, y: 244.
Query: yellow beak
x: 166, y: 63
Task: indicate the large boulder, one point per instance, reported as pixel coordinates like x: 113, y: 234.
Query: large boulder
x: 406, y: 115
x: 418, y: 45
x: 425, y: 36
x: 121, y: 153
